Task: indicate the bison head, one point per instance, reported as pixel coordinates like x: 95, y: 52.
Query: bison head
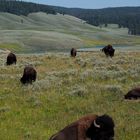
x: 101, y: 129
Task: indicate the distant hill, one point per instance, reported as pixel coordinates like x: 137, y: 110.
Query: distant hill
x: 128, y: 17
x: 39, y: 32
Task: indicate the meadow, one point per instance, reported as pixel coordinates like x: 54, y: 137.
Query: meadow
x: 67, y: 89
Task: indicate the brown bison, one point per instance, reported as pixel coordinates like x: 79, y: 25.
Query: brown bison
x: 11, y: 59
x: 29, y: 75
x: 91, y: 127
x: 133, y: 94
x: 73, y: 52
x: 108, y: 50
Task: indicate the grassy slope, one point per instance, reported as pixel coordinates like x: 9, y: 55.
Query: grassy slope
x: 66, y: 89
x: 40, y: 32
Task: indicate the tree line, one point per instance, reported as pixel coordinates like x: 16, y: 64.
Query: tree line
x: 24, y: 8
x: 127, y: 17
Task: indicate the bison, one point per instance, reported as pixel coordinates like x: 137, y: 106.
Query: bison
x: 11, y: 59
x: 90, y: 127
x: 73, y: 52
x: 29, y: 75
x: 108, y: 50
x: 133, y: 94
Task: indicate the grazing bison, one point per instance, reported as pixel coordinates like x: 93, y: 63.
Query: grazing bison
x: 91, y: 127
x: 133, y: 94
x: 73, y: 52
x: 108, y: 50
x: 29, y: 75
x: 11, y: 59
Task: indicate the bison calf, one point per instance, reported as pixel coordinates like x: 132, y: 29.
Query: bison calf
x: 73, y: 52
x: 29, y: 75
x: 91, y: 127
x: 11, y: 59
x: 133, y: 94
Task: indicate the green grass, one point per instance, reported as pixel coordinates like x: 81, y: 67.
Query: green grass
x: 11, y: 47
x: 66, y: 89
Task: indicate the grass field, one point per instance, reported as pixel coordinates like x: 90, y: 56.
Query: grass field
x: 66, y: 89
x: 41, y: 32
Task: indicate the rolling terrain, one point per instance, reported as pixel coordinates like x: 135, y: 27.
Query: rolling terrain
x: 41, y: 32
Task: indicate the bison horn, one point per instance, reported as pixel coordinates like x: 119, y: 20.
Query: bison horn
x: 96, y: 125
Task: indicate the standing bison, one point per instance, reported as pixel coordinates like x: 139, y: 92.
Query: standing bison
x: 91, y: 127
x: 29, y: 75
x: 133, y: 94
x: 108, y: 50
x: 73, y: 52
x: 11, y: 59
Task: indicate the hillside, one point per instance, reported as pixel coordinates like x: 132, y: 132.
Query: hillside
x: 40, y: 20
x: 127, y: 17
x: 39, y: 32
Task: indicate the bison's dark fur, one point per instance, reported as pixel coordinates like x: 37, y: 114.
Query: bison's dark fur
x: 29, y: 75
x: 91, y: 127
x: 108, y: 50
x: 133, y: 94
x: 11, y: 59
x: 73, y: 52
